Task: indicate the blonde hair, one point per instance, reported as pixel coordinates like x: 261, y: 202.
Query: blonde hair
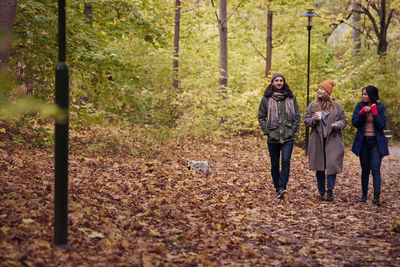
x: 326, y: 103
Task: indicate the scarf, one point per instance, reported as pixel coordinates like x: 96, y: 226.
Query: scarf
x: 273, y: 120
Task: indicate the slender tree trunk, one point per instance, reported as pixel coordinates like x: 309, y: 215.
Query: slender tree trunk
x: 380, y: 27
x: 7, y: 18
x: 223, y: 48
x: 269, y: 41
x: 88, y: 11
x: 383, y: 44
x: 175, y: 63
x: 356, y: 18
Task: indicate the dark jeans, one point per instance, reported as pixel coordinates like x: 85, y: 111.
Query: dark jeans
x: 280, y: 178
x: 331, y: 179
x: 370, y: 160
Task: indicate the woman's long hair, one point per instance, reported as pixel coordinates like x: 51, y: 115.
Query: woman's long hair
x: 285, y: 90
x: 372, y: 92
x: 326, y: 103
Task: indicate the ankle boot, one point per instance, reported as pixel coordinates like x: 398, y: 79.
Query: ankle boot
x: 329, y: 195
x: 363, y: 197
x: 376, y: 199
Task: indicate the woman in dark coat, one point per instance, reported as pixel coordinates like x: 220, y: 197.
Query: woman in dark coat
x: 369, y: 117
x: 326, y: 148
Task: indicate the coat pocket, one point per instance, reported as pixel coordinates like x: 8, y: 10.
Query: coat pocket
x: 273, y: 134
x: 289, y: 131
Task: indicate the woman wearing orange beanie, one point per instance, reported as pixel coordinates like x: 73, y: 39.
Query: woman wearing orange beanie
x: 327, y: 119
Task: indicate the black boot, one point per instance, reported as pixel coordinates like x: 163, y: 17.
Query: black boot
x: 322, y: 198
x: 376, y: 199
x: 329, y: 195
x: 363, y: 197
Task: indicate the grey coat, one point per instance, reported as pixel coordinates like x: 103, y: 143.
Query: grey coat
x: 334, y: 148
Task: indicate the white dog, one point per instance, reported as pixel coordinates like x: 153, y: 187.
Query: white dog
x: 199, y: 166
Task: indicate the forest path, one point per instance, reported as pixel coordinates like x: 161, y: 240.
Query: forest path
x: 126, y: 208
x: 394, y: 149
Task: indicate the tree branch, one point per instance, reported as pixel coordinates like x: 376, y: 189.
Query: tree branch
x: 366, y: 12
x: 389, y: 18
x: 180, y: 12
x: 233, y: 12
x: 215, y: 11
x: 354, y: 28
x: 248, y: 38
x: 287, y: 32
x: 376, y: 9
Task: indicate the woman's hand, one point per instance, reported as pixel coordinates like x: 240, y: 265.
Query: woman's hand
x: 334, y: 126
x: 374, y: 109
x: 365, y: 110
x: 316, y: 117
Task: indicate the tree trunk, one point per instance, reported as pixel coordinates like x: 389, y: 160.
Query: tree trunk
x: 175, y: 63
x: 381, y: 24
x: 223, y: 49
x: 269, y: 41
x: 88, y: 11
x: 382, y: 44
x: 356, y: 29
x: 7, y: 18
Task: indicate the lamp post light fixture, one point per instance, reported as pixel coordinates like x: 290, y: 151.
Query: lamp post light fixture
x: 310, y: 14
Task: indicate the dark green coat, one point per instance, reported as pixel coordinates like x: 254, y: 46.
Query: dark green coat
x: 286, y: 129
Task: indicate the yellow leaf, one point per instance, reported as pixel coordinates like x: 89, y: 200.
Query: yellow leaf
x: 96, y: 235
x: 124, y: 243
x: 84, y: 229
x: 26, y: 221
x: 2, y: 130
x: 43, y: 243
x: 154, y: 233
x: 6, y: 245
x: 5, y: 228
x: 281, y: 239
x: 369, y: 257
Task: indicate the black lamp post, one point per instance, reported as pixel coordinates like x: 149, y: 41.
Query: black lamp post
x: 61, y: 137
x: 308, y: 14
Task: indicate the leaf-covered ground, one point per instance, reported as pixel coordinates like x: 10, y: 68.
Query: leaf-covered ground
x: 128, y: 207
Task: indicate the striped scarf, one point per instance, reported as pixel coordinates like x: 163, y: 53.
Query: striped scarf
x: 273, y: 119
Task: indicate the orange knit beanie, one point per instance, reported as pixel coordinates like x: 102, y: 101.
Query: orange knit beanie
x: 328, y: 86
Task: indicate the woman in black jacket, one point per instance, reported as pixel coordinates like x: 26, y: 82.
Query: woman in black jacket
x: 369, y: 117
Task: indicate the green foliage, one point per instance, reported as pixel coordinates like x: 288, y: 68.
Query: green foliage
x: 12, y: 107
x: 121, y: 64
x: 98, y: 53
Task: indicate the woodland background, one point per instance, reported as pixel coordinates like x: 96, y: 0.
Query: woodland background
x: 120, y: 56
x: 140, y: 109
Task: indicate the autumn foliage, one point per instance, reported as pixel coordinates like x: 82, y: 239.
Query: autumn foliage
x: 129, y: 206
